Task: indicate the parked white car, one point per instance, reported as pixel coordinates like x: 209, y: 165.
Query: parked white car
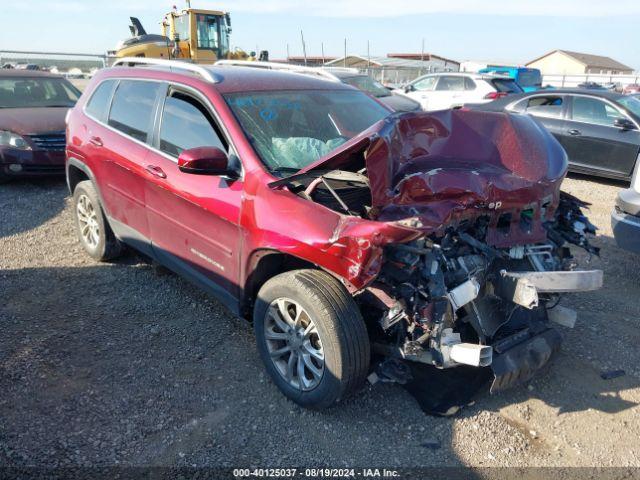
x: 439, y: 91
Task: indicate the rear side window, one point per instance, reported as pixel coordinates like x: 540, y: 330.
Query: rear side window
x: 98, y: 104
x: 132, y: 108
x: 469, y: 84
x: 450, y: 83
x: 506, y: 85
x: 547, y: 106
x: 186, y: 124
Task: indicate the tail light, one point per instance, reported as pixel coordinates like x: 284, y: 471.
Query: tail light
x: 495, y: 95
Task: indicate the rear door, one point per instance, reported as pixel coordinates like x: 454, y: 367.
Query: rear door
x: 550, y: 110
x: 194, y: 219
x: 122, y: 146
x: 593, y: 142
x: 449, y: 92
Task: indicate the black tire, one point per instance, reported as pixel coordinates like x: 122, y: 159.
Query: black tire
x: 107, y: 247
x: 340, y: 328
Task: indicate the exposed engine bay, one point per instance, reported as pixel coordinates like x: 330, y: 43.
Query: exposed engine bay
x: 481, y: 284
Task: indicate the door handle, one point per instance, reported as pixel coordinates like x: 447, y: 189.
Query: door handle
x: 156, y: 171
x: 97, y: 141
x: 574, y: 132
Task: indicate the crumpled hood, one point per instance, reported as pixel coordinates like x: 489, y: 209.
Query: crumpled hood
x: 25, y: 121
x: 444, y: 166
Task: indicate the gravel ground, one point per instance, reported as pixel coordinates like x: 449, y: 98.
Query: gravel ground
x: 122, y: 364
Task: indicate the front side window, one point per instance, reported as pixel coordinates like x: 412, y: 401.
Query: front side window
x: 291, y: 129
x: 132, y: 108
x: 593, y: 110
x: 186, y: 124
x: 631, y: 103
x: 425, y: 84
x: 37, y: 92
x: 449, y: 83
x: 98, y: 104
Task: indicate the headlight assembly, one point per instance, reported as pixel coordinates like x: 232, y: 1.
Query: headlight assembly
x: 9, y: 139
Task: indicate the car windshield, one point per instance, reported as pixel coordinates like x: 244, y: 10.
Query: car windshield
x: 529, y: 79
x: 631, y: 103
x: 367, y: 84
x: 291, y: 129
x: 26, y: 92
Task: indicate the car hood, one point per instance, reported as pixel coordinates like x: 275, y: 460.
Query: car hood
x: 400, y: 103
x: 430, y: 169
x: 25, y: 121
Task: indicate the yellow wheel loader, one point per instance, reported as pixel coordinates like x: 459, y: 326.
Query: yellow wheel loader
x: 199, y: 36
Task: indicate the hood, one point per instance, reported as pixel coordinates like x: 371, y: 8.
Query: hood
x: 25, y: 121
x: 400, y: 103
x: 443, y: 166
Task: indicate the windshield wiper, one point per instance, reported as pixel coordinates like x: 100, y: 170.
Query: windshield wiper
x: 284, y: 170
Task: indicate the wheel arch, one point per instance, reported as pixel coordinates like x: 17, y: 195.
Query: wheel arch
x: 264, y: 264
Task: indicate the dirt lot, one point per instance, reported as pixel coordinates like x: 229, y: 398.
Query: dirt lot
x: 120, y: 364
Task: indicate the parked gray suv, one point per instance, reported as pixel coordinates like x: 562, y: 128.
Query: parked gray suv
x: 625, y: 218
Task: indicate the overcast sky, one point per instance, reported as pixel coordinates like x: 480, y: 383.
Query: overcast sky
x: 509, y: 31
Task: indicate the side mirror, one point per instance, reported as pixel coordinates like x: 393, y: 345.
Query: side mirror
x: 409, y: 88
x: 204, y: 161
x: 624, y: 124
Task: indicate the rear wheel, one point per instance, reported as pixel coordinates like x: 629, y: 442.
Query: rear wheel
x: 94, y: 232
x: 311, y: 337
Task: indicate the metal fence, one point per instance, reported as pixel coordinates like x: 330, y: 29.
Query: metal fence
x: 396, y: 76
x: 63, y: 61
x: 568, y: 81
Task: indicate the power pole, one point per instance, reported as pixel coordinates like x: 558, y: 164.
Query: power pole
x: 288, y: 56
x: 304, y: 48
x: 322, y: 48
x: 368, y: 57
x: 345, y: 52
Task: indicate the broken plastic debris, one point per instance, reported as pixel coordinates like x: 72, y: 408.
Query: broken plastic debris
x: 610, y: 374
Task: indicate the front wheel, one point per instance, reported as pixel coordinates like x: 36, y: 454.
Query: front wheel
x: 311, y: 337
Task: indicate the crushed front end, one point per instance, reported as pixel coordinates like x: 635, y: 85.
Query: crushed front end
x: 453, y: 299
x: 481, y: 283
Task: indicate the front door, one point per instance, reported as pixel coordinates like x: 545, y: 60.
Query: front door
x: 593, y: 142
x: 550, y: 110
x: 422, y: 90
x: 194, y: 219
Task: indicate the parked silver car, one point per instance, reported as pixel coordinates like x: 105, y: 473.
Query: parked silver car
x: 625, y: 218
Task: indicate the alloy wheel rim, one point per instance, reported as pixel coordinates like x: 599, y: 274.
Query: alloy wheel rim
x: 293, y: 344
x: 88, y: 220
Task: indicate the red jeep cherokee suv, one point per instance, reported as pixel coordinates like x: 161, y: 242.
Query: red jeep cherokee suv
x: 347, y: 234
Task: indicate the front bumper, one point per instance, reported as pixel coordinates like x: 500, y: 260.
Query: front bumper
x: 626, y: 230
x: 19, y: 163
